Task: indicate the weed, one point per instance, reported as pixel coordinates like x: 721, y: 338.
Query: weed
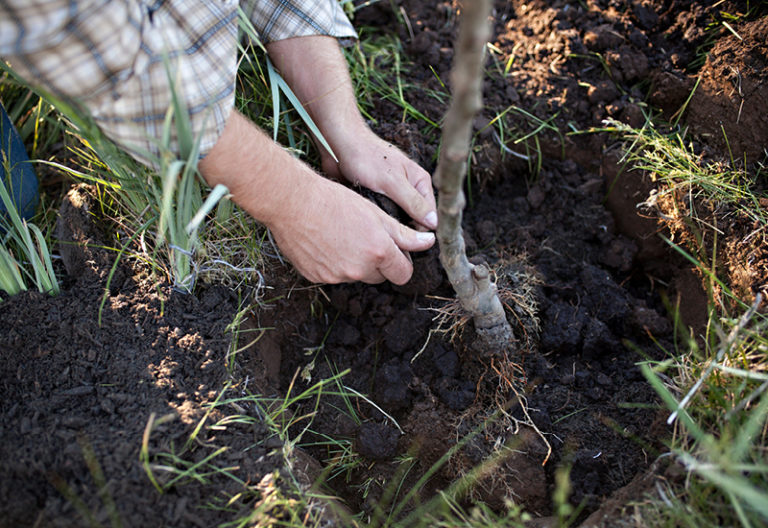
x: 371, y: 66
x: 721, y: 423
x: 516, y: 129
x: 27, y: 241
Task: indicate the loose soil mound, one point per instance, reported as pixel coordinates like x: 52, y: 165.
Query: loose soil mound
x: 77, y: 396
x: 728, y: 107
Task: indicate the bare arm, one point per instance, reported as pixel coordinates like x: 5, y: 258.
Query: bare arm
x: 317, y: 72
x: 329, y: 232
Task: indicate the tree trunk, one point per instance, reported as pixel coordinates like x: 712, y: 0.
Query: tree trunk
x: 474, y: 289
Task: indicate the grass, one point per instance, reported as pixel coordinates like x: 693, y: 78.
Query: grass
x: 719, y: 405
x: 372, y: 65
x: 669, y: 158
x: 25, y: 257
x: 516, y: 131
x: 714, y: 383
x: 199, y: 460
x: 705, y: 204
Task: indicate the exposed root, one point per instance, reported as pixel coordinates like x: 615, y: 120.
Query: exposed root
x: 508, y: 381
x: 517, y: 285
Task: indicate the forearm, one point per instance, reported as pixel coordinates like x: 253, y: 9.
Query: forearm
x: 263, y: 178
x: 316, y: 70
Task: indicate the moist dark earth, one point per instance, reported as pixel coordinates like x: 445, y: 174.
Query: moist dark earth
x: 583, y: 276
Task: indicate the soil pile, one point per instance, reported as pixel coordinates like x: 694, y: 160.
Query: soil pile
x: 78, y: 393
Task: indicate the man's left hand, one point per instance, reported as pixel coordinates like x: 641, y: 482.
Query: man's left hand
x: 381, y: 167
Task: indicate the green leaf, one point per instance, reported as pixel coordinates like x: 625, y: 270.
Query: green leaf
x: 275, y: 77
x: 213, y: 198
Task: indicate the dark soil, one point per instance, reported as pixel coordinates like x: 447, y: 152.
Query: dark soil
x: 77, y: 395
x: 582, y: 273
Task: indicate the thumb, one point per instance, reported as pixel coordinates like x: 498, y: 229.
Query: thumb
x: 408, y: 239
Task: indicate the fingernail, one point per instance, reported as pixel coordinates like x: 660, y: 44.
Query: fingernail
x: 425, y: 237
x: 431, y: 220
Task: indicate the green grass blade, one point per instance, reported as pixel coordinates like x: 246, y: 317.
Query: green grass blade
x: 299, y: 108
x: 738, y: 486
x: 274, y: 89
x: 47, y: 275
x: 11, y: 280
x: 34, y: 251
x: 170, y: 178
x: 671, y: 402
x: 211, y: 201
x: 247, y: 27
x: 750, y: 430
x: 180, y: 114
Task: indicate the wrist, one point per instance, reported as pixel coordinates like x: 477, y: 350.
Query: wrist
x: 345, y: 140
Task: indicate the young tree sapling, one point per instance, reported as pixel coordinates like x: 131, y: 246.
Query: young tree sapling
x: 472, y: 283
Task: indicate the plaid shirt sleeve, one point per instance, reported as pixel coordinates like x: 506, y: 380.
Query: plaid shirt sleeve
x: 282, y: 19
x: 123, y: 59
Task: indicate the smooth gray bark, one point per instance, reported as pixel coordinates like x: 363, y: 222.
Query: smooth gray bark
x: 474, y: 289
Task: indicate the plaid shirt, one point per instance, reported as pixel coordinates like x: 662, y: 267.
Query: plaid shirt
x: 113, y: 56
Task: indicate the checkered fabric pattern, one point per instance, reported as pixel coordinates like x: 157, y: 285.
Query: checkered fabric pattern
x: 120, y: 58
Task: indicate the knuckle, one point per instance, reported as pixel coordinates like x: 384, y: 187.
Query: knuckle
x: 417, y: 202
x: 379, y: 255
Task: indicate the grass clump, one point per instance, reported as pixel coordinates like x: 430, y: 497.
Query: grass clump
x: 712, y: 208
x: 372, y: 64
x: 24, y: 255
x: 719, y: 404
x: 25, y: 258
x: 671, y: 160
x: 24, y: 243
x: 715, y: 380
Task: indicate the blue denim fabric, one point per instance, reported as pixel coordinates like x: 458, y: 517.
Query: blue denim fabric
x: 23, y: 180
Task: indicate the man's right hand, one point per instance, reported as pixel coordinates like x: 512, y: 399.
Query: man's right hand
x: 330, y: 233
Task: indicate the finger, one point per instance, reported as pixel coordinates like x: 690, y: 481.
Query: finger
x: 375, y: 277
x: 397, y: 268
x: 422, y: 181
x: 408, y: 256
x: 408, y: 196
x: 408, y: 239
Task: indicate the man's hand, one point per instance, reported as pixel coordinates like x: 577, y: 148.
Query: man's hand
x: 335, y: 235
x: 329, y: 232
x: 317, y: 72
x: 383, y: 168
